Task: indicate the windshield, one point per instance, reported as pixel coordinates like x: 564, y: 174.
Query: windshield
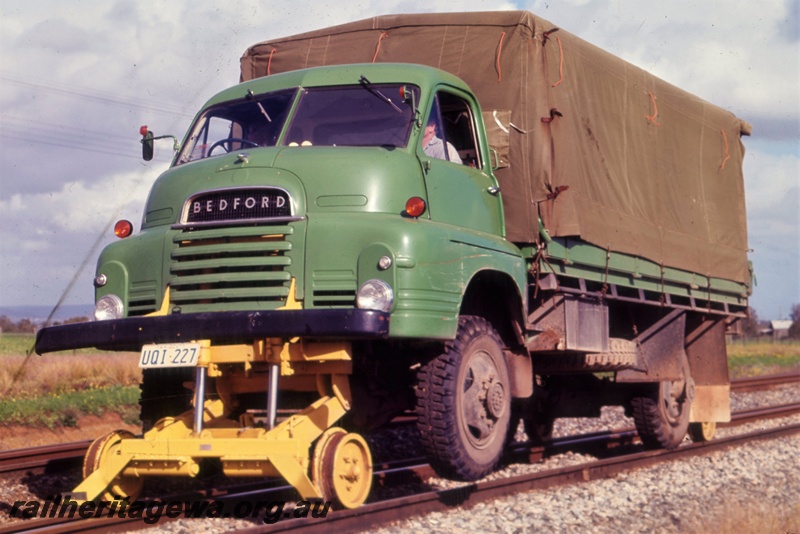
x: 359, y: 115
x: 256, y: 121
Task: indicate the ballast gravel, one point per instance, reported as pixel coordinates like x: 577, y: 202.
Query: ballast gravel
x: 754, y: 488
x: 751, y: 488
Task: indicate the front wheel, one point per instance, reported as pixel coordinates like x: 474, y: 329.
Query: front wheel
x: 464, y: 402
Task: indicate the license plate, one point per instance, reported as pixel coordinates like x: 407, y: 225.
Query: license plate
x: 169, y: 355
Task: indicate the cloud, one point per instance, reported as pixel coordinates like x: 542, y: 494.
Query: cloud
x: 78, y: 78
x: 744, y: 58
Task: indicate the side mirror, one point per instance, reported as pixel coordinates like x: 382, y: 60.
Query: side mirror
x: 407, y: 94
x: 147, y: 143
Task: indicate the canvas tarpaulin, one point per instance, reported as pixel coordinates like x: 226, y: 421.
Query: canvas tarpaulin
x: 595, y: 146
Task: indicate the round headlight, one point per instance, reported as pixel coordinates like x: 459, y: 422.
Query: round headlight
x: 108, y: 307
x: 375, y: 295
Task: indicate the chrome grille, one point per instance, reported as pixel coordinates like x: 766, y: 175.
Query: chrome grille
x: 231, y: 268
x: 142, y: 298
x: 333, y: 289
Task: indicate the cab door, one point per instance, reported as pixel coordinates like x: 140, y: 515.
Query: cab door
x: 461, y: 190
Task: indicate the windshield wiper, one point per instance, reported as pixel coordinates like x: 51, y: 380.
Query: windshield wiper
x: 250, y: 96
x: 372, y: 89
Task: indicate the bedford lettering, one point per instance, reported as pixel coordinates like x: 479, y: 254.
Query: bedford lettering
x: 237, y: 202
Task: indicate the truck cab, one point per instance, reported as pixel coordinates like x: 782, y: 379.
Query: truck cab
x: 336, y: 156
x: 310, y: 239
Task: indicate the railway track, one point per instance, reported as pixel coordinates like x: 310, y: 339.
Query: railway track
x: 416, y: 470
x: 47, y: 457
x: 65, y: 455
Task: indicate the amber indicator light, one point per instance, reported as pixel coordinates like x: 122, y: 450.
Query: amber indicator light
x: 415, y: 206
x: 123, y: 228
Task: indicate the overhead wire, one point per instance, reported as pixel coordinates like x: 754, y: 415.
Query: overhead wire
x: 91, y: 94
x: 88, y: 94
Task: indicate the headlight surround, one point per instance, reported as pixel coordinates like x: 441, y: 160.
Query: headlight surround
x: 375, y: 294
x: 108, y: 307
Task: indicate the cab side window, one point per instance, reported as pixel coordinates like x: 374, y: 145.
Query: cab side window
x: 458, y: 127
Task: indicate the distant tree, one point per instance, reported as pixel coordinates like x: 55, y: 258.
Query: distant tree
x: 794, y: 330
x: 750, y: 326
x: 6, y: 324
x: 23, y: 326
x: 26, y: 326
x: 71, y: 320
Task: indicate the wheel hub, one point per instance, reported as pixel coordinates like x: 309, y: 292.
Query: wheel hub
x: 495, y: 400
x: 484, y: 398
x: 342, y: 467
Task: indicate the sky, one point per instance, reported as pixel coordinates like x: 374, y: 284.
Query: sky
x: 78, y: 79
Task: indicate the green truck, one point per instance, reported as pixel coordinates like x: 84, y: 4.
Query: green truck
x: 478, y: 217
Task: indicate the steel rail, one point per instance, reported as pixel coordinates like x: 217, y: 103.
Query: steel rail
x: 379, y: 513
x: 61, y: 455
x: 415, y: 471
x: 764, y: 381
x: 65, y: 454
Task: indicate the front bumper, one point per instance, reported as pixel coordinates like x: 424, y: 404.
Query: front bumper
x: 219, y: 327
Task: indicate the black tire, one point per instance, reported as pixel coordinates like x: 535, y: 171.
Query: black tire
x: 464, y: 402
x: 661, y: 414
x: 162, y: 394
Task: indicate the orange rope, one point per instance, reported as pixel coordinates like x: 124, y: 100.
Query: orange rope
x: 269, y: 62
x: 560, y: 63
x: 652, y: 118
x: 727, y: 153
x: 378, y: 47
x: 499, y: 51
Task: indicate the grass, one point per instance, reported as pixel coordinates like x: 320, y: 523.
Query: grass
x: 754, y: 358
x: 745, y: 516
x: 36, y: 376
x: 59, y: 388
x: 21, y: 344
x: 56, y: 389
x: 65, y: 409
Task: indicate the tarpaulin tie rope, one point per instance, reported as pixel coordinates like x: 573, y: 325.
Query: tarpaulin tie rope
x: 560, y: 63
x: 662, y: 298
x: 652, y: 118
x: 499, y: 52
x: 727, y: 152
x: 553, y: 194
x: 546, y: 35
x: 536, y: 271
x: 378, y: 47
x: 553, y: 114
x: 269, y: 62
x: 604, y: 289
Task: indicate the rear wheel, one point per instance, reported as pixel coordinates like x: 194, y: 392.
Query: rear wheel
x: 662, y: 413
x: 464, y: 402
x: 702, y: 431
